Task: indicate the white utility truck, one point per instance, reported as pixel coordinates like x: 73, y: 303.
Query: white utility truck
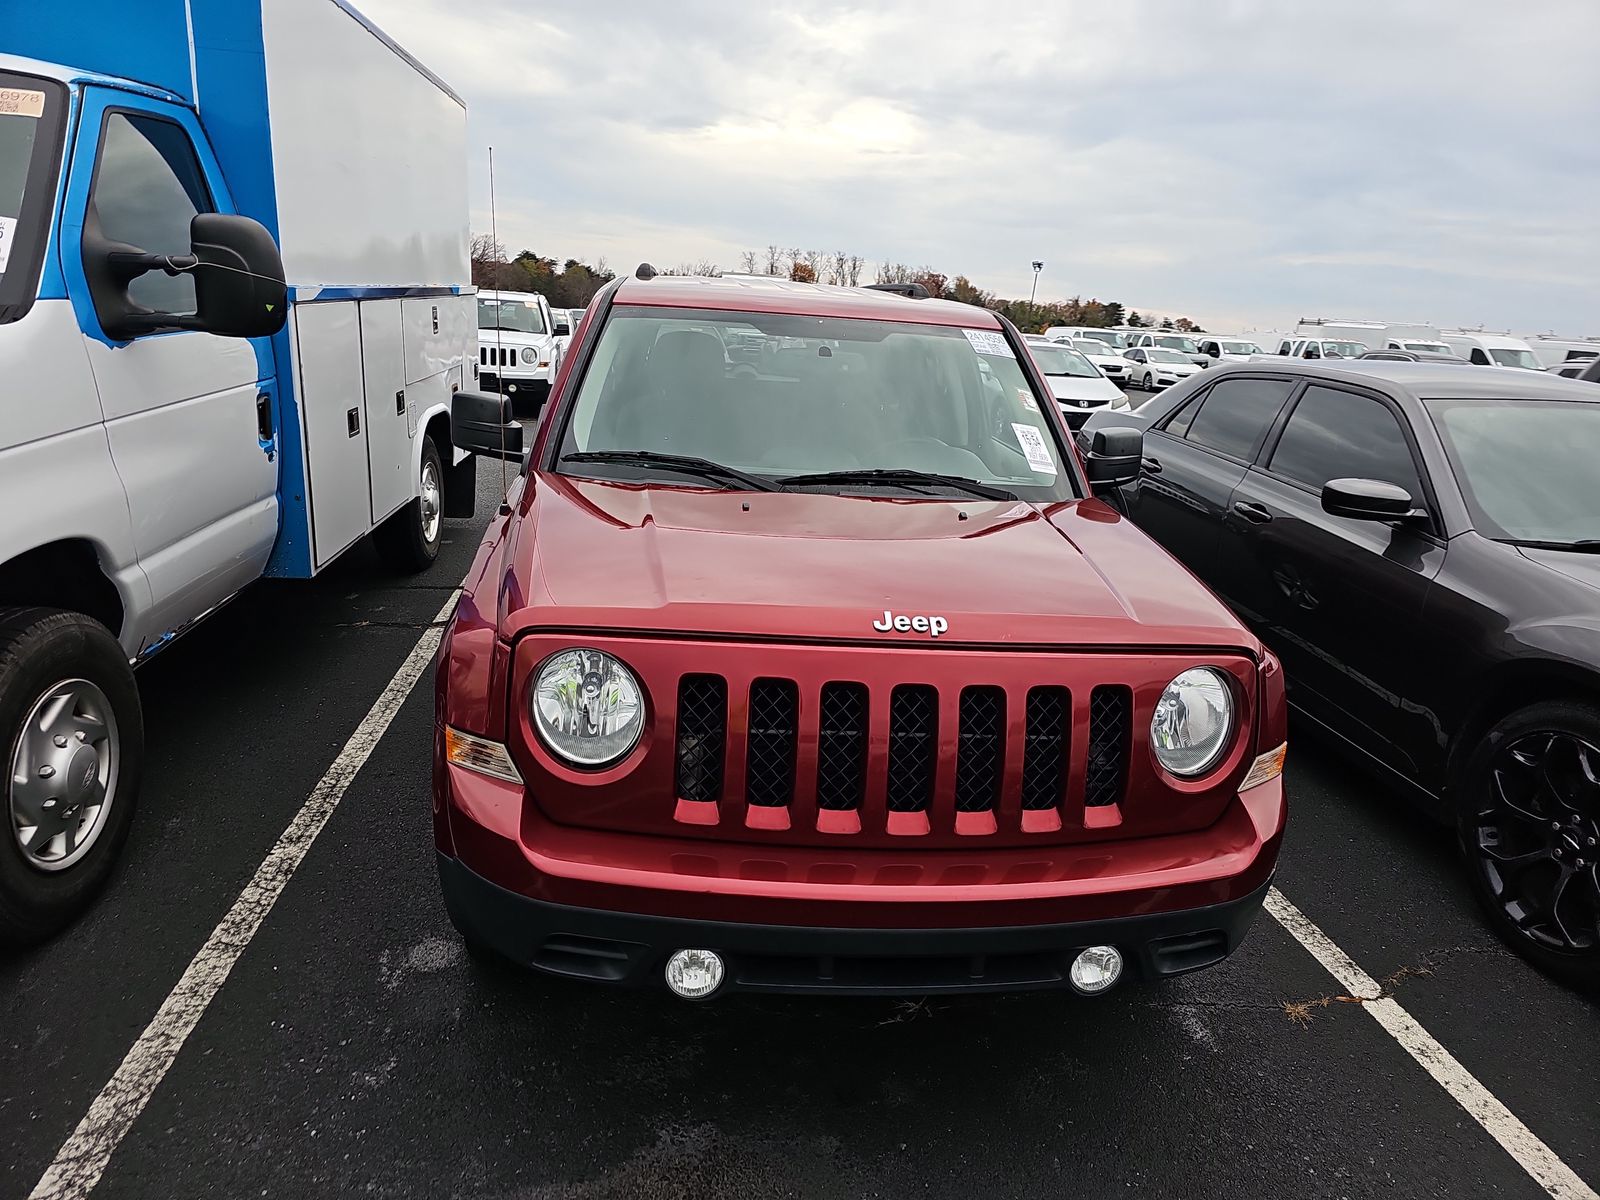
x: 235, y: 311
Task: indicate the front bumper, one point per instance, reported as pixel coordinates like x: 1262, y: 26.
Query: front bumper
x: 514, y: 384
x: 631, y: 949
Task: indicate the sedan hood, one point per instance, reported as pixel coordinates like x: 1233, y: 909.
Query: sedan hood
x: 1082, y: 387
x: 593, y: 555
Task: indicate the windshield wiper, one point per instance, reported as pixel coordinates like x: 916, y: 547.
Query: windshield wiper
x: 902, y: 478
x: 682, y: 463
x: 1581, y: 546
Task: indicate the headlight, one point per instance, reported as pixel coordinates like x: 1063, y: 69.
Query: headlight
x: 587, y: 707
x: 1192, y: 722
x: 529, y: 354
x: 1119, y: 403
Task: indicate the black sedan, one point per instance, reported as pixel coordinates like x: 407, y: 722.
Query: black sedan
x: 1420, y: 544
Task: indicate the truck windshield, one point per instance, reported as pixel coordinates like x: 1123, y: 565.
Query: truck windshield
x: 822, y: 395
x: 512, y: 316
x: 1516, y: 358
x: 1344, y: 349
x: 1526, y: 467
x: 1186, y: 345
x: 1240, y: 348
x: 30, y: 128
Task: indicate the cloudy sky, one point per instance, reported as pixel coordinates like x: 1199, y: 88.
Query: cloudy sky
x: 1242, y: 162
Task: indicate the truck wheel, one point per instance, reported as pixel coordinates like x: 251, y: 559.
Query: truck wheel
x: 409, y: 540
x: 72, y: 736
x: 1528, y: 814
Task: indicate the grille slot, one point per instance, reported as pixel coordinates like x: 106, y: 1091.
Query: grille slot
x: 702, y: 736
x: 980, y: 749
x: 769, y: 758
x: 842, y: 746
x: 1110, y: 729
x: 913, y: 744
x: 1045, y: 743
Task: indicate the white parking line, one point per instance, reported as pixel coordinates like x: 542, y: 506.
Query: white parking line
x: 81, y: 1161
x: 1532, y: 1155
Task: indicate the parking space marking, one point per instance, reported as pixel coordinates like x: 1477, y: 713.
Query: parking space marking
x: 82, y: 1159
x: 1532, y: 1155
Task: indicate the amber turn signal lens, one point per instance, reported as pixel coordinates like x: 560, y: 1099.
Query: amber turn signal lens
x: 1266, y: 767
x: 480, y: 755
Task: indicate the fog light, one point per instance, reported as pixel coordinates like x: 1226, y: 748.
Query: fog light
x: 695, y: 974
x: 1096, y: 969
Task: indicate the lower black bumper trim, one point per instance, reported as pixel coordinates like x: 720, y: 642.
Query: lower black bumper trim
x: 632, y: 948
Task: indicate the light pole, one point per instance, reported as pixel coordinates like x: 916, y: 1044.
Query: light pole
x: 1037, y: 267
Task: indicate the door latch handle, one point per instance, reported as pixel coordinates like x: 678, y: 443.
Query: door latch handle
x: 1253, y: 513
x: 264, y: 416
x: 400, y: 403
x: 352, y: 420
x: 1151, y: 465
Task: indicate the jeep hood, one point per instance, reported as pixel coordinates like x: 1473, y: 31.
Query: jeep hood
x: 591, y: 555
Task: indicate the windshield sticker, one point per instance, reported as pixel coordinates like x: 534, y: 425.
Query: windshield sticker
x: 1034, y: 449
x: 18, y: 102
x: 987, y: 341
x: 1026, y: 397
x: 8, y: 231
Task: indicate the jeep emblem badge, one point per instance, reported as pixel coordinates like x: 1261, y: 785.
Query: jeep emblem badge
x: 932, y: 626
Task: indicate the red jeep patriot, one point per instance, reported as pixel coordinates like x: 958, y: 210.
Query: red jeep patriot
x: 802, y: 659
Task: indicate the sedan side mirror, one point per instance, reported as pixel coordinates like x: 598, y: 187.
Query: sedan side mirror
x: 1367, y: 500
x: 1113, y: 456
x: 481, y: 423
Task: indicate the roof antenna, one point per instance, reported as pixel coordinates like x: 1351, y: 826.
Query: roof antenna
x: 499, y: 351
x: 645, y: 271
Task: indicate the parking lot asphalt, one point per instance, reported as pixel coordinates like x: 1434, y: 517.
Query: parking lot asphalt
x: 355, y: 1048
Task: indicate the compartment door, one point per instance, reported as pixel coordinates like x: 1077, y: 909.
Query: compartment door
x: 328, y: 337
x: 388, y: 411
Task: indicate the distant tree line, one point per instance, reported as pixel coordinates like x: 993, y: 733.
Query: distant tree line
x: 566, y: 285
x: 573, y: 284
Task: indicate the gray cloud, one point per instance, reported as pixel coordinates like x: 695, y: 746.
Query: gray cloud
x: 1245, y: 162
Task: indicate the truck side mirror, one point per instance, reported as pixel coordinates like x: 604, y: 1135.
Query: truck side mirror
x: 1113, y: 456
x: 238, y: 276
x: 481, y: 423
x: 563, y: 329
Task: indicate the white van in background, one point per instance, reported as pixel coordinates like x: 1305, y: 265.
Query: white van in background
x: 1491, y: 349
x: 1552, y: 351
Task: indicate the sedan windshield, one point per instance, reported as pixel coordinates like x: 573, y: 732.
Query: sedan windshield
x: 1177, y: 343
x: 513, y: 316
x: 1058, y: 360
x: 1516, y: 358
x: 1167, y: 356
x: 1526, y: 467
x: 884, y: 405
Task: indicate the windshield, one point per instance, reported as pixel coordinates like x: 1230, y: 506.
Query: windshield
x: 1058, y: 360
x: 513, y: 316
x: 823, y: 394
x: 30, y: 119
x: 1240, y: 348
x: 1427, y: 347
x: 1177, y: 343
x: 1516, y: 358
x: 1344, y: 349
x: 1167, y: 356
x: 1526, y: 467
x: 1110, y: 337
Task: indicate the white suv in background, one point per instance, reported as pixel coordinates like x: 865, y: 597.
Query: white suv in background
x: 1228, y: 349
x: 520, y: 343
x: 1181, y: 342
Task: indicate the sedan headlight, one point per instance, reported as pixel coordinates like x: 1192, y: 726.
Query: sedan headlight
x: 529, y: 354
x: 1193, y: 722
x: 587, y: 707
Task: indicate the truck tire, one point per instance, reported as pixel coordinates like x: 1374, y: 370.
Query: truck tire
x: 72, y: 732
x: 409, y: 540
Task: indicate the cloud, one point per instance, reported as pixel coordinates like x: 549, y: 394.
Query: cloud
x: 1244, y: 162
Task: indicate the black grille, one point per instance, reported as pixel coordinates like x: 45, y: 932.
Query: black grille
x: 913, y: 738
x: 769, y: 759
x: 1044, y: 757
x: 980, y: 748
x: 702, y: 734
x: 1110, y: 722
x: 842, y: 746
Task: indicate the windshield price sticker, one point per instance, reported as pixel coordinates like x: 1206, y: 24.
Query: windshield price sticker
x: 18, y: 102
x: 1034, y: 449
x: 987, y: 341
x: 8, y: 231
x: 1026, y: 397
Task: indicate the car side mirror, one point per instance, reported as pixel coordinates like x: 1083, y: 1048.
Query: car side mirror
x: 481, y: 423
x: 1368, y: 500
x: 563, y: 329
x: 1113, y: 456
